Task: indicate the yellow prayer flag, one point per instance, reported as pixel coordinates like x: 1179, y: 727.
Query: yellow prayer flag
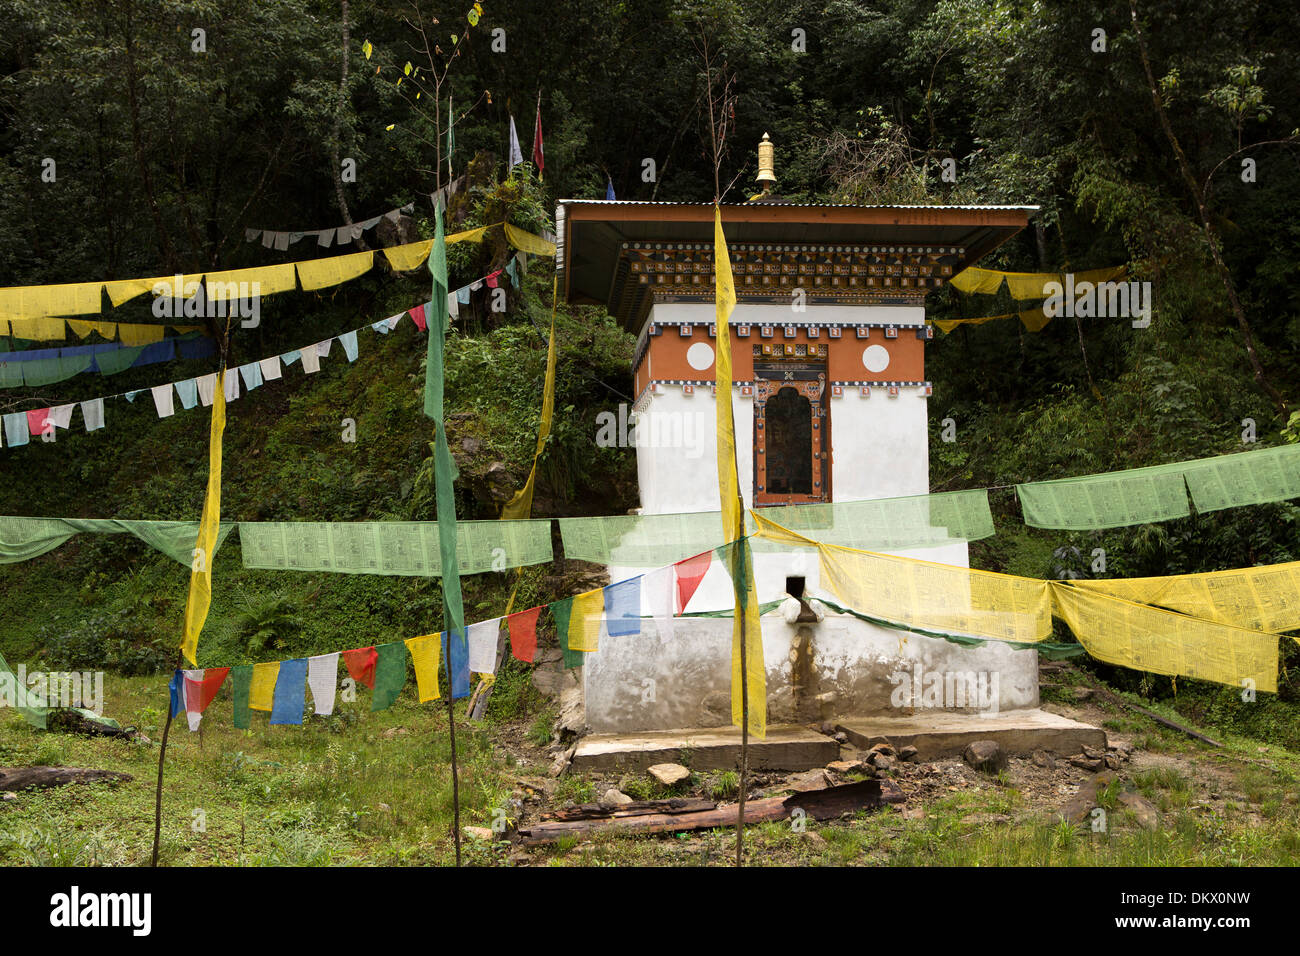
x: 1264, y: 598
x: 977, y: 281
x: 140, y: 334
x: 528, y: 242
x: 40, y: 301
x: 745, y: 625
x: 1030, y: 285
x: 425, y: 654
x: 262, y: 280
x: 123, y: 290
x: 261, y: 689
x: 83, y: 328
x: 521, y: 504
x: 412, y: 255
x: 205, y: 546
x: 1163, y: 642
x: 43, y: 329
x: 584, y: 621
x: 321, y: 273
x: 469, y: 235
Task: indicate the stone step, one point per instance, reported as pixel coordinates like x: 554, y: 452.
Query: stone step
x: 712, y: 748
x: 938, y: 734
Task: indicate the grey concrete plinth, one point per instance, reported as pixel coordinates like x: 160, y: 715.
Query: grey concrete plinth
x: 937, y: 734
x: 712, y: 748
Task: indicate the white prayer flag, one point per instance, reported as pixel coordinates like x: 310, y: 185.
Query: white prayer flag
x: 270, y: 368
x: 322, y: 679
x: 207, y: 387
x: 482, y: 639
x: 92, y: 412
x: 516, y: 155
x: 163, y: 400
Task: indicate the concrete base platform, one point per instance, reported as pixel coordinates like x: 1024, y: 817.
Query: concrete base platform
x: 938, y: 734
x: 713, y: 748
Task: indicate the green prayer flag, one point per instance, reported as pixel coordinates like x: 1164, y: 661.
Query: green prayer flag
x: 22, y: 539
x: 1112, y: 500
x: 453, y: 612
x: 241, y: 683
x: 14, y: 694
x: 390, y: 674
x: 1250, y: 478
x: 561, y: 612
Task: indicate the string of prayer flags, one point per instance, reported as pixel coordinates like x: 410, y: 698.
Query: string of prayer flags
x: 361, y: 665
x: 1035, y: 320
x: 1025, y: 285
x: 290, y: 692
x: 390, y: 674
x: 282, y: 240
x: 47, y: 306
x: 425, y: 654
x: 456, y: 654
x: 322, y: 679
x: 205, y: 546
x: 261, y: 691
x: 523, y: 634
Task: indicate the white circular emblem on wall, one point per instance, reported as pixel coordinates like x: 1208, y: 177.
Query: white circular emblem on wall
x: 700, y: 356
x: 875, y: 358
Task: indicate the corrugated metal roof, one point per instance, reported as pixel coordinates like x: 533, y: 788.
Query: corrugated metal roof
x: 810, y: 205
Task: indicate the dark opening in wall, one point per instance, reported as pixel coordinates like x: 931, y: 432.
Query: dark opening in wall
x: 794, y: 587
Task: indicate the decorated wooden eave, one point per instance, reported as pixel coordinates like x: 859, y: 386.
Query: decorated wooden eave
x: 627, y: 255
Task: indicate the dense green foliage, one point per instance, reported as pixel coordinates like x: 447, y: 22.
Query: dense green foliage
x: 165, y: 156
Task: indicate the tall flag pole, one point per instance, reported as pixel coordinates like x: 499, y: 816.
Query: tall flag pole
x: 539, y: 152
x: 444, y: 472
x: 748, y: 675
x: 451, y: 136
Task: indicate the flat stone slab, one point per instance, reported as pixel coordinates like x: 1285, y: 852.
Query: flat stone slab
x: 710, y: 748
x: 939, y: 734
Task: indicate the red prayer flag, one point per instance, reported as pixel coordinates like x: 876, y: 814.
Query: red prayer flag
x: 523, y: 634
x: 361, y: 665
x: 36, y: 420
x: 690, y: 573
x: 539, y: 154
x: 492, y: 279
x: 200, y: 693
x: 417, y: 316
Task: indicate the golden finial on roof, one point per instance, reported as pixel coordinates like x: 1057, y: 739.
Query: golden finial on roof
x: 766, y: 164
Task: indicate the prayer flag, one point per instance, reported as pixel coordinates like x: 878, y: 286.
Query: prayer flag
x: 261, y: 693
x: 390, y: 674
x: 516, y: 154
x: 290, y: 692
x: 523, y: 634
x: 361, y: 665
x: 241, y: 687
x: 482, y: 638
x: 201, y: 688
x: 623, y: 608
x: 425, y: 657
x: 745, y: 625
x: 205, y: 546
x: 539, y: 153
x: 457, y: 657
x: 561, y: 613
x: 322, y: 678
x: 584, y: 621
x: 689, y: 574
